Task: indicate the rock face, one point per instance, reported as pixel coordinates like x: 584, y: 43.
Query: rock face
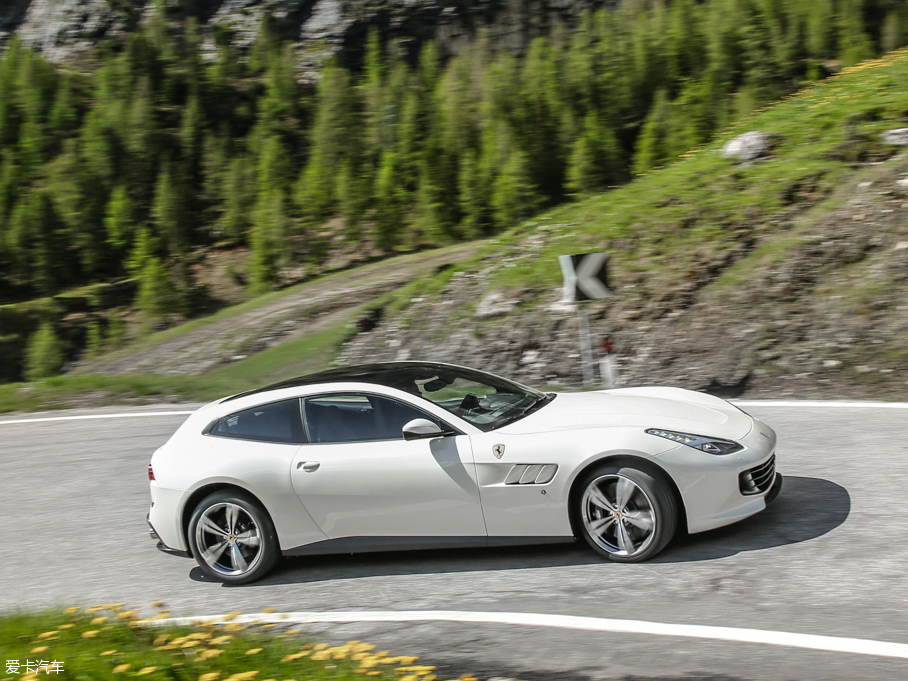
x: 60, y: 28
x: 63, y: 28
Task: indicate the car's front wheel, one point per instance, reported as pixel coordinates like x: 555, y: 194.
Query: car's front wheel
x: 232, y: 538
x: 625, y: 513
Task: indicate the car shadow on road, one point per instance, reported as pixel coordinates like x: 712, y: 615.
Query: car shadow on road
x: 807, y: 508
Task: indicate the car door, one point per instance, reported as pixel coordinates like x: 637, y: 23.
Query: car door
x: 358, y: 477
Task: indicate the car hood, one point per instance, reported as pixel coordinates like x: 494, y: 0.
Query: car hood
x: 670, y: 408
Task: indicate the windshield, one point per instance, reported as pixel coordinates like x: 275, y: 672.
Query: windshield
x: 484, y: 400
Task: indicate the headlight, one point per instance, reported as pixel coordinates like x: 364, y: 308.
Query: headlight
x: 711, y: 445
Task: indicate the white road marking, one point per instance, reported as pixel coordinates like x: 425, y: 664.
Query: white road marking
x: 99, y: 416
x: 836, y: 644
x: 820, y: 403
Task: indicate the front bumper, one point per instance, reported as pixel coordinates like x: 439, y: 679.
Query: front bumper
x: 710, y: 485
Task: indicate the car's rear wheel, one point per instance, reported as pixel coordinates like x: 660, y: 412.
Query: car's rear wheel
x: 625, y: 513
x: 232, y: 538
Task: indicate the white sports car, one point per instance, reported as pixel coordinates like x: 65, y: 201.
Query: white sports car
x: 417, y: 455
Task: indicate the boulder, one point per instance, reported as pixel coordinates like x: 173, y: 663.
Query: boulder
x: 896, y: 138
x: 747, y: 147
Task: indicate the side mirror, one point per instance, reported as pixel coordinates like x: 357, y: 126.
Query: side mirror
x: 418, y: 429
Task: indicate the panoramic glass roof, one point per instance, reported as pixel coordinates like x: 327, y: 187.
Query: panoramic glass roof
x: 400, y: 375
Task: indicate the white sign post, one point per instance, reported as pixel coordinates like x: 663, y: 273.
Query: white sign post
x: 585, y: 278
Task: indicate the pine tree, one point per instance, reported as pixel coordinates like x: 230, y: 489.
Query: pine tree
x: 239, y: 198
x: 269, y: 229
x: 651, y: 145
x: 44, y: 354
x: 118, y: 222
x: 169, y: 211
x: 893, y: 36
x: 144, y: 248
x: 854, y: 43
x: 157, y: 297
x: 513, y: 195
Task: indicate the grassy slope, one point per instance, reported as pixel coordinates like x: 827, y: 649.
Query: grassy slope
x: 698, y: 209
x: 703, y: 206
x: 103, y: 641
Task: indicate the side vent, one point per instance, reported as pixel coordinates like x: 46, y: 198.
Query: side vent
x: 531, y: 474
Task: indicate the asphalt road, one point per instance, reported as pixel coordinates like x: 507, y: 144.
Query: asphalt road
x: 830, y: 557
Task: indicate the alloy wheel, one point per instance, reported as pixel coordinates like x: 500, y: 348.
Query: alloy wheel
x: 618, y: 515
x: 228, y: 539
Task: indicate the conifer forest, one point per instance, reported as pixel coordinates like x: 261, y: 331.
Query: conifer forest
x: 124, y: 164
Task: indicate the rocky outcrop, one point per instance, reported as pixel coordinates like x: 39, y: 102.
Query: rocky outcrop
x: 63, y: 28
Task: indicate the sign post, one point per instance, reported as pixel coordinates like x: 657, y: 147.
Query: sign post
x: 585, y: 278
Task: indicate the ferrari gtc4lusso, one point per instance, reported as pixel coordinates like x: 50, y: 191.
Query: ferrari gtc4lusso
x: 418, y: 455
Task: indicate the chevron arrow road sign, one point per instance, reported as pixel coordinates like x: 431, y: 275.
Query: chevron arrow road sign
x: 585, y: 276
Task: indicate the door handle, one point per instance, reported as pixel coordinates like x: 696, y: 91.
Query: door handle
x: 308, y: 466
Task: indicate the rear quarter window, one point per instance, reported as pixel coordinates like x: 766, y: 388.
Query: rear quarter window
x: 279, y: 422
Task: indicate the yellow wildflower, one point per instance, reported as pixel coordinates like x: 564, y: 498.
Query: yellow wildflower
x: 157, y: 604
x: 253, y: 651
x: 210, y: 676
x: 70, y: 611
x: 39, y: 649
x: 294, y: 656
x: 121, y: 668
x: 126, y: 614
x: 47, y: 634
x: 67, y: 626
x: 293, y: 631
x: 232, y: 615
x: 219, y: 640
x: 145, y: 670
x: 161, y: 640
x: 90, y: 634
x: 106, y: 653
x: 98, y: 620
x: 267, y: 609
x: 242, y: 676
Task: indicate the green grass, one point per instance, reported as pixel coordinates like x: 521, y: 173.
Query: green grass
x: 106, y: 642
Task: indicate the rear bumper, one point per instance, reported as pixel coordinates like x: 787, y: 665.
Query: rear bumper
x: 161, y: 546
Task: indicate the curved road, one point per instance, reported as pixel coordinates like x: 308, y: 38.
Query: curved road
x: 830, y: 557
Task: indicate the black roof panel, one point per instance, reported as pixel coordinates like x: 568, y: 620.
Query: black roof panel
x: 390, y: 374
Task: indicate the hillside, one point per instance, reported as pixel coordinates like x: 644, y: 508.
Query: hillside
x: 787, y: 276
x: 784, y: 275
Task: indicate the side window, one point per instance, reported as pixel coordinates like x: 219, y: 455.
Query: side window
x: 358, y: 418
x: 276, y: 422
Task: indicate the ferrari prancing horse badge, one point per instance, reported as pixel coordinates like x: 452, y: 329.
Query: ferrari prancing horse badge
x: 498, y: 451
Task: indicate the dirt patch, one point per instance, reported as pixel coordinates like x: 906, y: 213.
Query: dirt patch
x: 306, y: 310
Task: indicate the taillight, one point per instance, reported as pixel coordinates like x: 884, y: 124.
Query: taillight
x: 150, y: 473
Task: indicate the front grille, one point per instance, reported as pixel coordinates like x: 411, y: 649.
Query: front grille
x: 759, y: 478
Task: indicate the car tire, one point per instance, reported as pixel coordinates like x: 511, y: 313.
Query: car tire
x: 625, y: 513
x: 232, y: 538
